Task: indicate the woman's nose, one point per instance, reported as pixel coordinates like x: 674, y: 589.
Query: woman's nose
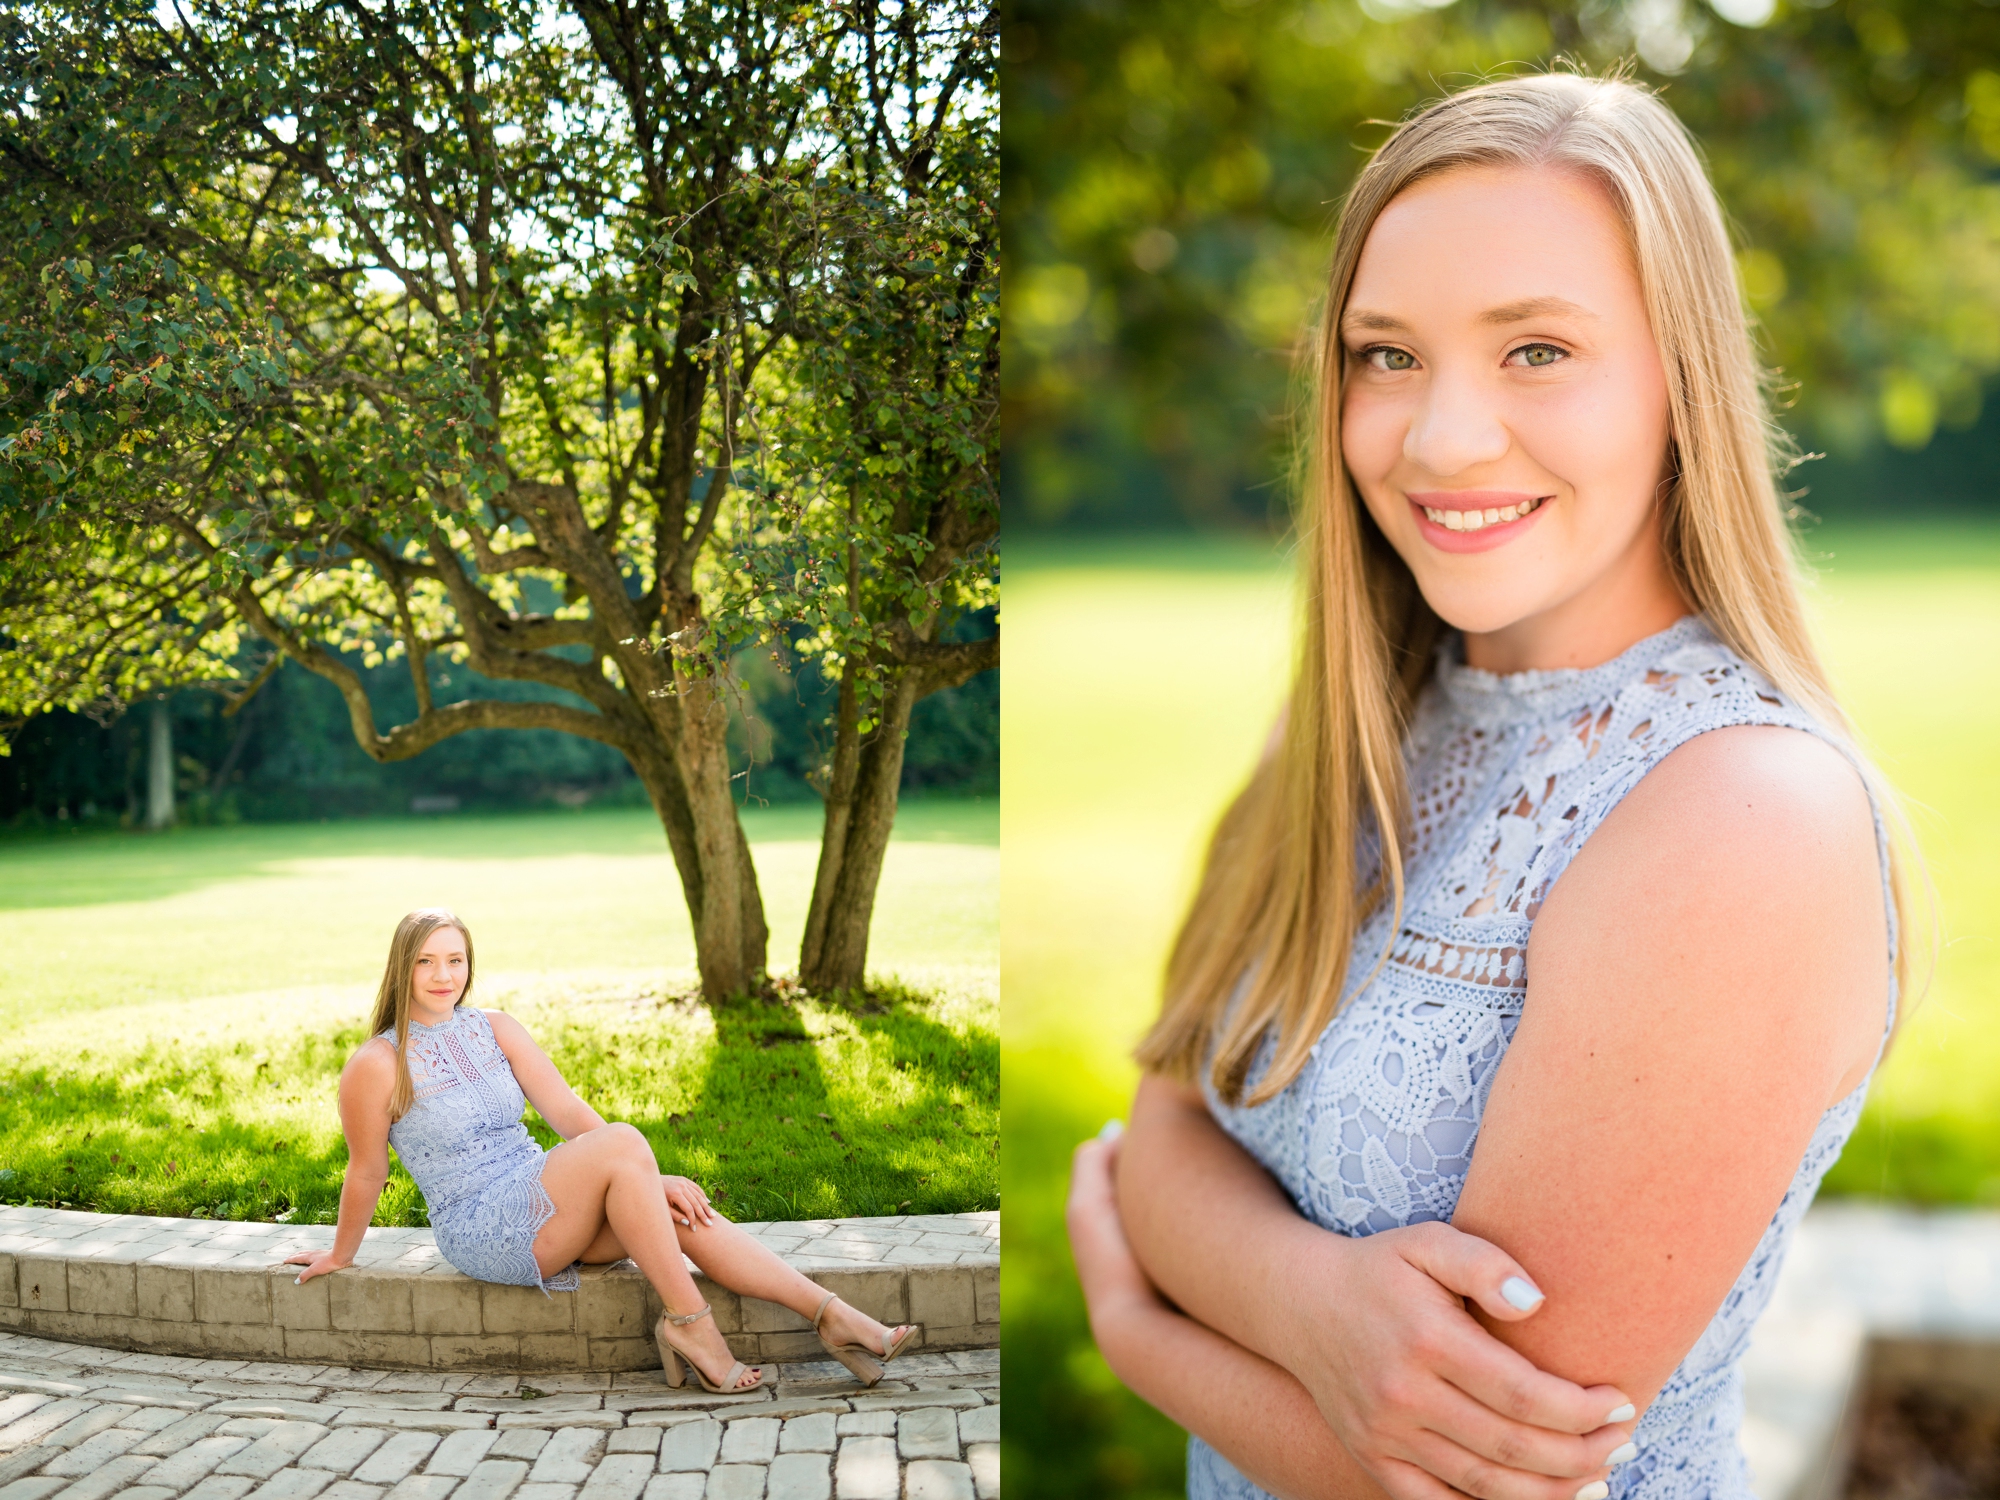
x: 1455, y: 428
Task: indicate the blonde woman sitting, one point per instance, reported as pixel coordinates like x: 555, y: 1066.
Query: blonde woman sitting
x: 444, y: 1084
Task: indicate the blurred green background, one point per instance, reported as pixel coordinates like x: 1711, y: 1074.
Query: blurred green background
x: 1172, y: 171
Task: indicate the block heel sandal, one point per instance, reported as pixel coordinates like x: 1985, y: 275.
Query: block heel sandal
x: 671, y: 1360
x: 863, y: 1363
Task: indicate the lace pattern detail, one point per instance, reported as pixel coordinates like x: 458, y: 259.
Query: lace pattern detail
x: 1508, y: 777
x: 478, y: 1168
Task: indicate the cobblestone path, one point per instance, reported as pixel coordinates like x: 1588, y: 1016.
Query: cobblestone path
x: 86, y: 1424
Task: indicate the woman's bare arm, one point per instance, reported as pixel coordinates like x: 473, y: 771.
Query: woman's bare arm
x: 365, y: 1086
x: 1706, y: 978
x: 1246, y: 1408
x: 1374, y: 1329
x: 546, y: 1088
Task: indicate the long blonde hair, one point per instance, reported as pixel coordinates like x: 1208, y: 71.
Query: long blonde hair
x: 399, y: 985
x: 1282, y: 894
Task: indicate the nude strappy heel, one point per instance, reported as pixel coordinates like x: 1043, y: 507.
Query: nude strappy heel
x: 671, y: 1359
x: 864, y: 1363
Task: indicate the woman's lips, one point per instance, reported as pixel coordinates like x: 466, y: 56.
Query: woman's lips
x: 1474, y: 520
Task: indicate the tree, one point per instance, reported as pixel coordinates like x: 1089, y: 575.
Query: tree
x: 435, y: 329
x: 1173, y: 168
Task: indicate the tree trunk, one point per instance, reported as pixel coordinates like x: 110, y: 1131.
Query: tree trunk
x: 855, y: 840
x: 160, y: 768
x: 731, y: 938
x: 839, y: 794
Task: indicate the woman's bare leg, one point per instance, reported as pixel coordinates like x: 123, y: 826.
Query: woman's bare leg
x: 607, y: 1178
x: 729, y: 1256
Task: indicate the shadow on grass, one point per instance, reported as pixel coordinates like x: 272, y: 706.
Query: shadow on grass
x: 906, y: 1122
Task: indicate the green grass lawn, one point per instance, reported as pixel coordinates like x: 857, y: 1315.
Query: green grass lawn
x: 1142, y: 678
x: 175, y: 1009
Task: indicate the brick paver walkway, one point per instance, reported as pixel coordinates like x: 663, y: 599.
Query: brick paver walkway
x: 80, y: 1423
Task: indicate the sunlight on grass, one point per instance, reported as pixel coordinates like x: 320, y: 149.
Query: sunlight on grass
x: 1142, y: 680
x: 175, y: 1049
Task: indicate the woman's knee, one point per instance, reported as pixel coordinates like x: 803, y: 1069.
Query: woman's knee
x: 629, y: 1143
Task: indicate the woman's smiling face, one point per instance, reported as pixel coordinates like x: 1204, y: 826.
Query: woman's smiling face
x: 441, y: 969
x: 1505, y: 414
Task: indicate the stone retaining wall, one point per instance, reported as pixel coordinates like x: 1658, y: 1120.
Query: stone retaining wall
x: 219, y: 1290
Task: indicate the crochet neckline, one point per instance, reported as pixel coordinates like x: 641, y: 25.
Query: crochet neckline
x: 444, y: 1025
x: 1521, y: 697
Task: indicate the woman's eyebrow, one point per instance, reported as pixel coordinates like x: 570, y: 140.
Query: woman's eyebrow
x: 1535, y: 307
x: 1375, y: 321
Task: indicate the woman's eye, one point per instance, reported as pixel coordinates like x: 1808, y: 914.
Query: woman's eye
x: 1382, y: 357
x: 1535, y: 356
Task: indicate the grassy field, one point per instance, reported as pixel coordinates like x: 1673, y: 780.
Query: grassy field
x: 1141, y: 681
x: 175, y: 1009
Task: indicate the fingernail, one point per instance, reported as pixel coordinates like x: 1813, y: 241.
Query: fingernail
x: 1623, y: 1413
x: 1624, y: 1453
x: 1597, y: 1489
x: 299, y: 1280
x: 1520, y: 1293
x: 1112, y: 1130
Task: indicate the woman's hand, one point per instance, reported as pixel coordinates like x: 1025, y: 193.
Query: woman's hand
x: 688, y: 1203
x: 318, y: 1263
x: 1113, y: 1280
x: 1409, y: 1380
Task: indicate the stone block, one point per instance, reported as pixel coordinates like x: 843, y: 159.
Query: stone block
x: 789, y: 1346
x: 492, y: 1479
x: 980, y: 1425
x: 750, y: 1440
x: 520, y: 1442
x: 523, y: 1309
x: 159, y: 1336
x: 165, y: 1293
x: 461, y: 1452
x: 690, y: 1446
x: 760, y: 1316
x: 866, y: 1469
x: 300, y: 1306
x: 984, y: 1461
x: 44, y: 1283
x: 623, y: 1354
x: 568, y: 1456
x: 554, y: 1351
x: 241, y: 1340
x: 928, y: 1432
x: 10, y: 1286
x: 612, y: 1307
x: 735, y: 1482
x: 342, y: 1451
x: 809, y: 1434
x: 799, y: 1476
x: 971, y: 1336
x: 986, y: 1294
x: 395, y: 1459
x: 659, y: 1487
x: 365, y: 1301
x: 463, y: 1351
x: 882, y: 1294
x: 396, y: 1351
x: 623, y: 1476
x: 931, y: 1479
x: 444, y: 1304
x: 232, y: 1295
x: 941, y: 1296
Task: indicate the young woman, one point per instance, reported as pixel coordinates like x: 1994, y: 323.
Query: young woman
x: 444, y: 1084
x: 1536, y: 977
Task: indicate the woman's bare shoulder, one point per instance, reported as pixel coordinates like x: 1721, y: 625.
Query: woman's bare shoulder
x: 373, y: 1065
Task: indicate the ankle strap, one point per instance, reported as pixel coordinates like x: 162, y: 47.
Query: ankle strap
x: 825, y: 1302
x: 699, y: 1313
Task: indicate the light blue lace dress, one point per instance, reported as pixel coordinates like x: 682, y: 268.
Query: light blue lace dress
x: 478, y: 1168
x: 1508, y: 777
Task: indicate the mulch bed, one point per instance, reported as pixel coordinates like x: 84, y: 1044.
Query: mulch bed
x: 1919, y: 1443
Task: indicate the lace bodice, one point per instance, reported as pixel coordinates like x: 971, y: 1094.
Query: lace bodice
x: 1508, y: 777
x: 474, y: 1161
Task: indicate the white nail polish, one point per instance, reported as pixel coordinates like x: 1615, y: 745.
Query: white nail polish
x: 1623, y: 1413
x: 1597, y: 1489
x: 1112, y: 1130
x: 1519, y: 1293
x: 1624, y: 1453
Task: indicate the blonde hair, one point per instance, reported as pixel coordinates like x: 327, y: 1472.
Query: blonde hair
x: 399, y: 984
x: 1282, y: 894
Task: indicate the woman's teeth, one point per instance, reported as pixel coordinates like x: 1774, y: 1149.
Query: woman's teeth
x: 1473, y: 520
